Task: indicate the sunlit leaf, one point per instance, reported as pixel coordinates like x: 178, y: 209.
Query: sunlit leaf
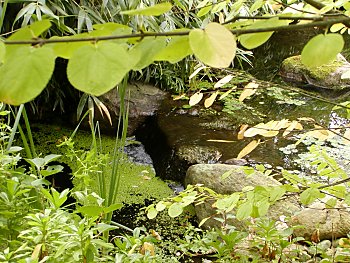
x: 346, y: 75
x: 336, y: 27
x: 2, y: 52
x: 19, y: 86
x: 293, y: 125
x: 244, y: 210
x: 176, y: 50
x: 155, y: 10
x: 253, y: 40
x: 175, y: 210
x: 214, y: 46
x: 152, y: 213
x: 213, y: 140
x: 197, y: 71
x: 223, y: 81
x: 248, y: 90
x: 242, y: 129
x: 92, y: 69
x: 322, y: 49
x: 203, y: 221
x: 195, y: 98
x: 209, y: 101
x: 224, y: 95
x: 205, y: 10
x: 248, y: 149
x: 91, y: 210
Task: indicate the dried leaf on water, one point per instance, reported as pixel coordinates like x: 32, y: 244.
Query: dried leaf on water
x: 248, y: 149
x: 195, y: 98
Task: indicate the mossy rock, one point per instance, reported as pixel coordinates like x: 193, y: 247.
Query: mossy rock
x: 327, y: 76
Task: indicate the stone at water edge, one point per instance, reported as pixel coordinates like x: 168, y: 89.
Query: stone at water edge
x: 327, y: 76
x: 331, y: 223
x: 210, y: 175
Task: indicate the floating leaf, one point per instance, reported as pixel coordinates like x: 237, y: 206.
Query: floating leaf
x: 322, y: 49
x: 197, y: 71
x: 177, y: 49
x: 224, y: 95
x: 195, y: 98
x: 242, y: 129
x: 223, y: 81
x: 209, y: 101
x: 36, y: 67
x: 293, y: 125
x: 155, y: 10
x: 214, y: 46
x: 248, y: 90
x: 92, y: 69
x: 248, y: 149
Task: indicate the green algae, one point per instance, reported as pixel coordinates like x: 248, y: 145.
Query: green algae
x: 137, y: 182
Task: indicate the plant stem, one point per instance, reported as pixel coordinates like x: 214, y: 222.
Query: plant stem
x: 3, y: 14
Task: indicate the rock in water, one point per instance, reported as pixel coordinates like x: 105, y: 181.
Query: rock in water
x: 327, y: 76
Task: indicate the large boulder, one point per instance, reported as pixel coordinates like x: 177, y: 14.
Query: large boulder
x: 210, y: 175
x: 327, y: 76
x: 329, y: 223
x: 144, y: 101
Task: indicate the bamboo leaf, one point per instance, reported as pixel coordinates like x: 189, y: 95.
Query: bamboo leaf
x: 223, y: 81
x: 197, y: 71
x: 214, y: 46
x: 248, y: 90
x: 195, y: 98
x: 155, y: 10
x: 209, y: 101
x: 248, y: 149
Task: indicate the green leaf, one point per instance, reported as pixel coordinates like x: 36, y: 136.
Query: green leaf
x: 96, y: 69
x: 154, y: 10
x: 66, y: 49
x: 215, y: 45
x: 177, y: 49
x: 147, y: 49
x: 90, y: 210
x: 205, y: 10
x: 244, y: 210
x: 2, y: 52
x: 51, y: 157
x: 31, y: 31
x: 25, y: 73
x: 52, y: 169
x: 276, y: 193
x: 175, y: 210
x: 152, y: 212
x: 310, y: 195
x: 322, y: 49
x: 112, y: 208
x: 160, y: 206
x: 254, y: 40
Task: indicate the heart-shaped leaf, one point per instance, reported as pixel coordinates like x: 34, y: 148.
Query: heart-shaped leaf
x: 176, y: 50
x: 96, y: 69
x: 322, y: 49
x: 214, y: 46
x: 25, y: 73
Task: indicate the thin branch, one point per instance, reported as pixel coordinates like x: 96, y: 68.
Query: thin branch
x: 141, y: 35
x: 283, y: 17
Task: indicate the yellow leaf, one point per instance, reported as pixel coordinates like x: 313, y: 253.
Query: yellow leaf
x: 269, y: 129
x: 282, y: 124
x: 242, y: 129
x: 212, y: 140
x: 248, y: 149
x: 147, y: 247
x: 306, y: 119
x: 223, y: 81
x: 179, y: 97
x: 195, y: 98
x: 248, y: 90
x: 290, y: 128
x: 224, y: 95
x: 197, y: 71
x: 209, y: 101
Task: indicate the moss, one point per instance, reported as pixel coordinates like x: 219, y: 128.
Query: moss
x: 137, y: 183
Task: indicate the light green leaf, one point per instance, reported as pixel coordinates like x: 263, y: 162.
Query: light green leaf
x: 154, y: 10
x: 51, y: 157
x: 322, y: 49
x: 20, y: 85
x: 175, y: 210
x: 203, y: 221
x: 276, y: 193
x: 31, y: 31
x: 96, y: 69
x: 2, y: 52
x: 205, y: 10
x: 91, y: 210
x: 215, y: 45
x: 152, y: 212
x: 52, y: 169
x: 254, y: 40
x: 244, y: 210
x: 160, y: 206
x: 66, y: 49
x: 147, y: 49
x: 177, y: 49
x: 310, y: 195
x: 112, y: 208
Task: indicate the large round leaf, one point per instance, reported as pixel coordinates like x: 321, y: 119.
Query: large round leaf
x: 25, y: 73
x: 96, y: 69
x: 322, y: 49
x: 215, y: 45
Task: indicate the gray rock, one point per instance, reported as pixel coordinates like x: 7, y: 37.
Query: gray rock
x: 144, y: 101
x: 326, y: 76
x: 331, y: 223
x: 210, y: 175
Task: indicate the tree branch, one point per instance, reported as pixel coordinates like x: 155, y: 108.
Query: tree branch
x: 237, y: 32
